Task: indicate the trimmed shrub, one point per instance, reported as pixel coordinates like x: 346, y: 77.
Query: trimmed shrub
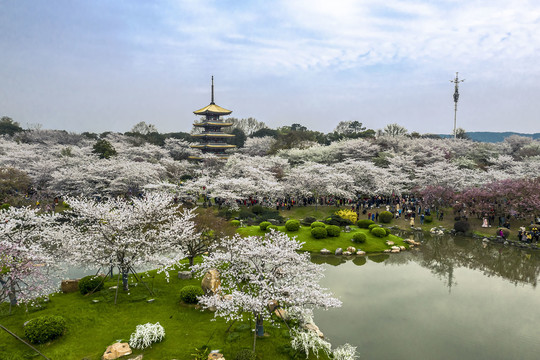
x: 373, y: 226
x: 264, y: 225
x: 272, y: 227
x: 428, y: 219
x: 257, y: 209
x: 359, y: 238
x: 245, y: 354
x: 387, y: 231
x: 44, y: 328
x: 88, y: 283
x: 245, y: 214
x: 319, y: 232
x: 348, y: 215
x: 317, y: 224
x: 462, y: 227
x: 337, y: 220
x: 333, y: 230
x: 308, y: 220
x: 292, y: 225
x: 235, y: 223
x: 385, y: 217
x: 506, y: 232
x: 364, y: 223
x: 378, y: 232
x: 189, y: 293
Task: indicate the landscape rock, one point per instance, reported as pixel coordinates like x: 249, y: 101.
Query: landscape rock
x: 185, y: 275
x: 347, y: 229
x: 273, y: 305
x: 394, y: 251
x: 402, y: 248
x: 211, y: 282
x: 395, y: 248
x: 325, y: 252
x: 347, y: 253
x: 282, y: 313
x: 390, y: 243
x: 360, y: 252
x: 312, y: 327
x: 140, y: 357
x: 351, y: 249
x: 216, y: 356
x: 69, y: 286
x: 387, y: 251
x: 116, y: 350
x: 339, y: 251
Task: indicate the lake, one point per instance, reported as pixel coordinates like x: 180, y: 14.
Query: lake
x: 452, y: 298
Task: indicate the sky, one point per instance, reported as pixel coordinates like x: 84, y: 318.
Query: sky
x: 106, y: 65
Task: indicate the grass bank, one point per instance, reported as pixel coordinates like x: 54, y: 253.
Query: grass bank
x: 91, y: 327
x: 373, y: 244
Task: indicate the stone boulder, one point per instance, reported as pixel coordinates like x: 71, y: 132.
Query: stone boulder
x: 395, y: 248
x: 361, y: 253
x: 215, y: 356
x: 325, y: 252
x: 339, y: 251
x: 69, y: 286
x: 390, y: 243
x: 346, y: 253
x: 185, y: 275
x: 116, y: 350
x: 347, y: 229
x: 211, y: 282
x: 282, y: 313
x: 351, y: 249
x: 312, y: 327
x: 402, y: 248
x: 273, y: 305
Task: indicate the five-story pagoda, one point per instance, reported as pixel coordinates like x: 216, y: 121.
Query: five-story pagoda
x: 212, y: 139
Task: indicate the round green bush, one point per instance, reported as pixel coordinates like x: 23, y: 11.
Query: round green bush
x: 333, y: 230
x: 292, y: 225
x: 319, y: 232
x: 272, y: 227
x: 387, y: 231
x: 359, y: 238
x: 372, y: 226
x: 317, y: 224
x: 88, y: 283
x: 364, y: 223
x: 506, y: 232
x: 428, y: 219
x: 308, y: 220
x: 44, y: 328
x: 235, y: 223
x: 245, y: 354
x: 264, y: 225
x: 189, y: 293
x: 385, y: 217
x: 378, y: 232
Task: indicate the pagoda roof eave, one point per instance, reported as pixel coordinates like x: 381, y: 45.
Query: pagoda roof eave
x: 212, y: 109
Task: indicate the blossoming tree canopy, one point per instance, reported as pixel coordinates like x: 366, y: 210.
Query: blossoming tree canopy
x: 255, y: 271
x: 127, y: 233
x: 27, y: 264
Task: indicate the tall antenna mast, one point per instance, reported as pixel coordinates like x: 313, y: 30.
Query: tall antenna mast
x: 456, y: 81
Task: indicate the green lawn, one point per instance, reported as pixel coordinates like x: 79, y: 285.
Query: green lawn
x: 94, y: 326
x: 373, y: 244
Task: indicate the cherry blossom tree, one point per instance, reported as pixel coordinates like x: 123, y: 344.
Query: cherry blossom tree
x: 127, y: 233
x: 257, y: 270
x: 27, y: 266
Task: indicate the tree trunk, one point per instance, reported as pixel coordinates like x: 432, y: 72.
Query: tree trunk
x: 125, y: 274
x: 191, y: 258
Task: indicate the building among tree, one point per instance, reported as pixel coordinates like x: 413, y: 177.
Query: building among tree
x: 212, y: 139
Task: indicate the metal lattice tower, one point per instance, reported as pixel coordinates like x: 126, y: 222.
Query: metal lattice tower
x: 456, y: 81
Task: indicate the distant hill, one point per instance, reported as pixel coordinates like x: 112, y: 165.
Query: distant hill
x: 493, y: 137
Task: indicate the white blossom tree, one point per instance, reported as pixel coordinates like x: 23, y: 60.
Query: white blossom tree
x: 27, y: 266
x: 257, y: 270
x: 126, y: 233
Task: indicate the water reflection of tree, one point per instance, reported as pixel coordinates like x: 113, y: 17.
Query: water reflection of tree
x: 442, y: 254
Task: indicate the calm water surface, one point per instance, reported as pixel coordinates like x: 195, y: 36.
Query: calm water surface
x: 454, y: 298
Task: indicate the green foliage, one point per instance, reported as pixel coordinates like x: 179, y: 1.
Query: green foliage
x: 317, y: 224
x: 272, y: 227
x: 364, y: 223
x: 372, y: 226
x: 257, y: 209
x: 246, y: 214
x: 8, y: 126
x: 201, y: 353
x: 333, y: 230
x: 308, y: 220
x: 245, y: 354
x: 506, y: 232
x: 235, y: 223
x: 292, y: 225
x: 335, y: 219
x: 319, y: 232
x: 264, y: 225
x: 189, y: 293
x: 104, y: 149
x: 378, y: 232
x: 428, y: 219
x: 462, y: 226
x: 4, y: 206
x: 385, y: 217
x: 88, y: 283
x: 359, y: 238
x: 387, y: 231
x: 44, y: 328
